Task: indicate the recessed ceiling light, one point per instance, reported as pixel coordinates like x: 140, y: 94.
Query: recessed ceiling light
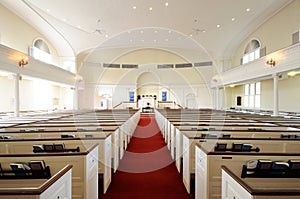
x: 232, y: 19
x: 141, y: 32
x: 150, y: 8
x: 64, y: 20
x: 48, y: 10
x: 78, y: 26
x: 248, y: 9
x: 169, y: 31
x: 203, y: 31
x: 166, y: 4
x: 155, y: 31
x: 106, y: 36
x: 218, y: 26
x: 134, y: 7
x: 155, y: 40
x: 191, y: 35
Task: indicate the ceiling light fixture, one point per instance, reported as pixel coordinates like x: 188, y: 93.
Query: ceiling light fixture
x: 150, y: 8
x: 232, y: 19
x: 293, y: 73
x: 248, y: 9
x: 218, y: 26
x: 134, y: 7
x: 166, y: 4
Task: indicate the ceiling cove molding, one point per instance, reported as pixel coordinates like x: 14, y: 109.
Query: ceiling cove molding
x: 286, y: 59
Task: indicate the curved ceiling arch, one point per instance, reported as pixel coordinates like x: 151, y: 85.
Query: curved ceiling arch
x: 157, y: 38
x: 209, y: 21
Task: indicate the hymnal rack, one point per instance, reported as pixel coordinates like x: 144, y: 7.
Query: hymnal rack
x: 53, y: 148
x: 236, y: 147
x: 32, y: 170
x: 273, y: 169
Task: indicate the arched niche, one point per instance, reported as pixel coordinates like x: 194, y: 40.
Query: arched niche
x: 147, y: 84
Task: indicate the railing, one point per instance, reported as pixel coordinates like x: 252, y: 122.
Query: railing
x: 168, y: 104
x: 126, y: 104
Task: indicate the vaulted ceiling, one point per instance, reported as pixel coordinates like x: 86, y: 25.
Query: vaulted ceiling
x: 214, y: 26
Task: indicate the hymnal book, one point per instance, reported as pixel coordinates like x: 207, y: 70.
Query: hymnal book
x: 294, y: 164
x: 19, y: 168
x: 67, y: 136
x: 37, y: 165
x: 247, y: 147
x: 48, y: 147
x: 221, y: 147
x: 237, y: 147
x: 5, y: 137
x: 264, y: 164
x: 226, y: 135
x: 252, y: 164
x: 38, y: 148
x: 59, y: 147
x: 279, y: 167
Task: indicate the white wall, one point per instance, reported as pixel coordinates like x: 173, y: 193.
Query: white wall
x: 19, y: 35
x: 276, y: 33
x: 289, y: 95
x: 7, y: 94
x: 178, y: 82
x: 34, y: 95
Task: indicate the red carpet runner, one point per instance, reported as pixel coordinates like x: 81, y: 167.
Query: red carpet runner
x: 147, y: 169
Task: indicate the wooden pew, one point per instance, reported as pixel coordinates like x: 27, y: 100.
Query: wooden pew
x: 84, y: 172
x: 233, y: 186
x: 265, y: 145
x: 90, y: 121
x: 58, y: 186
x: 103, y: 141
x: 208, y: 167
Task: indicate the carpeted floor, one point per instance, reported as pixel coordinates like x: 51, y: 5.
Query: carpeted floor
x: 147, y: 169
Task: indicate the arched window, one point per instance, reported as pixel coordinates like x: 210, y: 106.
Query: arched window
x: 40, y: 51
x: 252, y: 51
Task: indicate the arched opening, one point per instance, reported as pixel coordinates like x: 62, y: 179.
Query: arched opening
x: 147, y: 89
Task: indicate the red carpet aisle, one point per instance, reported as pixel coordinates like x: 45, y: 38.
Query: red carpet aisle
x: 147, y: 170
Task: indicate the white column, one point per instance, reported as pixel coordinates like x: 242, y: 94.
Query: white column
x: 17, y: 95
x: 275, y: 94
x: 217, y: 98
x: 75, y: 97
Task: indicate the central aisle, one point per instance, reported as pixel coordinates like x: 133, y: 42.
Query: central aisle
x: 147, y: 169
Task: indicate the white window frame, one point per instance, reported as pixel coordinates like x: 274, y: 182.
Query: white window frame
x: 252, y: 93
x: 251, y: 56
